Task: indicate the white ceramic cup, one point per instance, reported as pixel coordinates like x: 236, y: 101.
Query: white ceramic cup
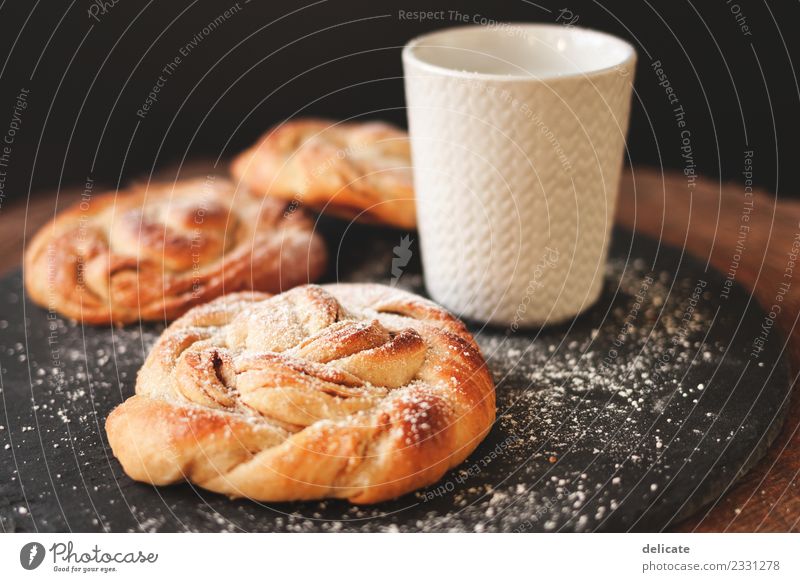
x: 517, y: 136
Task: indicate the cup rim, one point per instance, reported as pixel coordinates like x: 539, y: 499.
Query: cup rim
x: 409, y: 57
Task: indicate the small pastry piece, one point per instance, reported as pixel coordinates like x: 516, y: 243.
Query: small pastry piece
x: 355, y: 170
x: 153, y: 252
x: 354, y: 391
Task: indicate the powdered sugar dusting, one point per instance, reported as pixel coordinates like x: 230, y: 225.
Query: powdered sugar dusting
x: 610, y: 422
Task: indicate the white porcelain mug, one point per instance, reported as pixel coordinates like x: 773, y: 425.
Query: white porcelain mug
x: 517, y: 135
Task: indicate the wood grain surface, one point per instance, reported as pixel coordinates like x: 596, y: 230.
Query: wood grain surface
x: 712, y: 221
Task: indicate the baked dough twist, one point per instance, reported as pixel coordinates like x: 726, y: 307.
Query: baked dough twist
x: 355, y: 391
x: 355, y: 170
x: 153, y: 252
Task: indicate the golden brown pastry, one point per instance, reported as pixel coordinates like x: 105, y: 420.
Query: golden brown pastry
x: 356, y: 170
x: 356, y: 391
x: 153, y: 252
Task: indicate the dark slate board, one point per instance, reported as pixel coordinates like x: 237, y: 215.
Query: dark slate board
x: 628, y: 418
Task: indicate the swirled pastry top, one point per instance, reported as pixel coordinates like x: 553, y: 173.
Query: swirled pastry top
x: 356, y: 391
x: 357, y: 170
x: 153, y: 252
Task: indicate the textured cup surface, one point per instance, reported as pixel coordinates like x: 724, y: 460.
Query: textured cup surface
x: 517, y: 137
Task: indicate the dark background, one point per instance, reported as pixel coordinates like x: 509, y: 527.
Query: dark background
x: 87, y: 78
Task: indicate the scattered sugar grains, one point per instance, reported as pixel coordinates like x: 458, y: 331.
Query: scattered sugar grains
x: 591, y: 395
x: 559, y: 397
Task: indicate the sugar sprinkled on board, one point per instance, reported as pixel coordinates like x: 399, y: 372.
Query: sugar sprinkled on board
x: 554, y: 398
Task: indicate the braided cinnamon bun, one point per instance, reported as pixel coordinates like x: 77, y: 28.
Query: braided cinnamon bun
x: 355, y: 391
x: 355, y: 170
x: 153, y: 252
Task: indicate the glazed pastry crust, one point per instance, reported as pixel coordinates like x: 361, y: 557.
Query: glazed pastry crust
x: 354, y: 391
x: 153, y: 252
x: 353, y: 170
